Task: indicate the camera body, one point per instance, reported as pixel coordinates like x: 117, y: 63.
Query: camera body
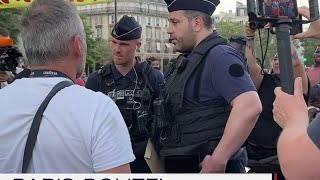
x: 9, y: 58
x: 278, y: 8
x: 261, y: 12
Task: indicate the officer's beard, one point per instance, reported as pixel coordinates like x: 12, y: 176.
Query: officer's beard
x: 157, y: 68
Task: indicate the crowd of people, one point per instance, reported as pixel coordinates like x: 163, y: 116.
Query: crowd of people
x: 213, y: 110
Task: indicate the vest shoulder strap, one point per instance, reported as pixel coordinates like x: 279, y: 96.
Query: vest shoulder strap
x: 199, y: 53
x: 204, y: 48
x: 105, y: 70
x: 203, y: 51
x: 146, y: 69
x: 106, y: 81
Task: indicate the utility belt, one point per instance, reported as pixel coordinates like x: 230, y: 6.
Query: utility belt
x: 262, y: 155
x: 198, y: 158
x: 267, y: 165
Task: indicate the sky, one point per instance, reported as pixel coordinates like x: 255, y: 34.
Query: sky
x: 226, y: 5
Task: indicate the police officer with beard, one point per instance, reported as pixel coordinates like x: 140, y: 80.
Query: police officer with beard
x: 133, y: 85
x: 210, y: 103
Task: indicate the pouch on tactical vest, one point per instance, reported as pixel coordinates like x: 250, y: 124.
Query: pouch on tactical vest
x: 189, y: 130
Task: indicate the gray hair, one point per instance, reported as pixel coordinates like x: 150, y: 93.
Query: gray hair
x: 190, y: 14
x: 47, y: 28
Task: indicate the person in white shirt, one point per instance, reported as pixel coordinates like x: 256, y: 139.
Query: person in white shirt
x: 81, y: 131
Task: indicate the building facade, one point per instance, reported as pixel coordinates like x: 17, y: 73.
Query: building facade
x: 240, y: 15
x: 150, y: 14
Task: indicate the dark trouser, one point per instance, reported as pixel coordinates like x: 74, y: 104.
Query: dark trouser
x: 263, y: 160
x: 139, y: 165
x: 190, y: 164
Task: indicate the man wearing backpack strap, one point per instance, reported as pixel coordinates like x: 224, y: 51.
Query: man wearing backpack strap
x: 80, y: 131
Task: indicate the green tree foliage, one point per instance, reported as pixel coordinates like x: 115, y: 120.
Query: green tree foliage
x: 102, y: 51
x: 227, y: 29
x: 265, y: 46
x: 98, y: 52
x: 10, y: 20
x: 90, y: 61
x: 309, y: 46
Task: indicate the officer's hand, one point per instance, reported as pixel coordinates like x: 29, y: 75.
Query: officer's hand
x: 290, y: 109
x: 210, y: 164
x: 4, y: 77
x: 313, y: 31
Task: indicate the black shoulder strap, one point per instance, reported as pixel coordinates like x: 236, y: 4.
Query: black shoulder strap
x: 105, y: 70
x: 146, y: 69
x: 203, y: 50
x: 104, y: 74
x: 205, y: 47
x: 33, y: 133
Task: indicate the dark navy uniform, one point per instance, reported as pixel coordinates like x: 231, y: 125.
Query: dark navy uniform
x: 313, y: 131
x: 133, y: 93
x: 198, y: 92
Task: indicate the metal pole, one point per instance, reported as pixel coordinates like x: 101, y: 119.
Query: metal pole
x: 115, y: 12
x: 284, y: 54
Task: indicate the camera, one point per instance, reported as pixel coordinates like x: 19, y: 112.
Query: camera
x: 9, y: 56
x: 261, y: 12
x: 278, y: 8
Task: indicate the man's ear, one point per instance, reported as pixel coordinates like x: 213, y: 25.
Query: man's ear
x: 76, y: 46
x: 197, y: 23
x: 138, y: 45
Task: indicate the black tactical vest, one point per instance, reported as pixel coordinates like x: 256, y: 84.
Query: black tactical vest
x: 134, y: 102
x: 189, y: 129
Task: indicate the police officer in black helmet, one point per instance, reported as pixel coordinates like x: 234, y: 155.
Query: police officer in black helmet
x: 132, y: 84
x: 210, y: 102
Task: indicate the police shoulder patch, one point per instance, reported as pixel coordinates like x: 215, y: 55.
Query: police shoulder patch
x: 236, y: 70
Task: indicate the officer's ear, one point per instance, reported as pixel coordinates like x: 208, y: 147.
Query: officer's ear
x: 138, y: 44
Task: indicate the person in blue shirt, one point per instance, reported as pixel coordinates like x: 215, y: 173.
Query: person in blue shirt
x: 211, y: 103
